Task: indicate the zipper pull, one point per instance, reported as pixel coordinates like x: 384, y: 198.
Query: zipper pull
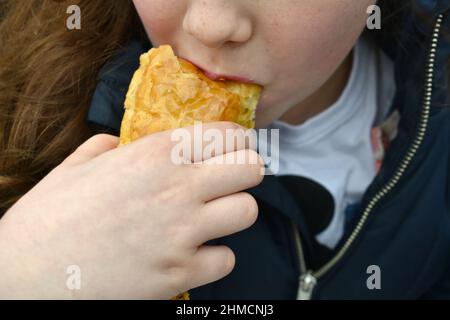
x: 306, y: 286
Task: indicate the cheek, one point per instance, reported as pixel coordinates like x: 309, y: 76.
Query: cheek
x: 160, y: 18
x: 307, y: 46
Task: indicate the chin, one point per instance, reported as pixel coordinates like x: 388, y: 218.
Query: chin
x: 266, y: 113
x: 264, y: 119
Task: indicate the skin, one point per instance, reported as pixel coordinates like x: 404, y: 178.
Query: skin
x: 142, y: 234
x: 297, y: 49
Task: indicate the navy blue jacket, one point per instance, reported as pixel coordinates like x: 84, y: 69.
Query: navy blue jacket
x: 402, y: 224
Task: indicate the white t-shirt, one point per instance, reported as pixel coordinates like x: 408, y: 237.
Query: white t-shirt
x: 334, y: 147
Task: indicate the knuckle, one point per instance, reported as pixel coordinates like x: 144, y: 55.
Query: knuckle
x: 95, y: 139
x: 178, y: 270
x: 174, y: 263
x: 179, y: 280
x: 168, y: 194
x: 159, y: 143
x: 150, y: 149
x: 230, y: 125
x: 102, y: 139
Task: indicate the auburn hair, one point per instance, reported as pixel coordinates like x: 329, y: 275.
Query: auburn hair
x: 47, y: 78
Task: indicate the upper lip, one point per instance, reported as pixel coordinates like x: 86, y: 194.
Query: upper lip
x: 220, y: 77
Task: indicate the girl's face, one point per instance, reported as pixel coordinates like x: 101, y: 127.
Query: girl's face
x: 291, y: 47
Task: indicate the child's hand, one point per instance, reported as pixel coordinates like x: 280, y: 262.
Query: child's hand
x: 131, y: 220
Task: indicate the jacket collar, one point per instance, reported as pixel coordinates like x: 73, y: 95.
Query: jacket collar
x: 410, y: 50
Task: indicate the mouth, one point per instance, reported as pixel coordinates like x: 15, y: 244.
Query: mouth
x: 221, y: 77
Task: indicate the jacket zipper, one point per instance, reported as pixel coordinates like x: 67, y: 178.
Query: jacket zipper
x: 308, y: 278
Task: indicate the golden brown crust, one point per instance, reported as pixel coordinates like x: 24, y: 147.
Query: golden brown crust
x: 167, y: 92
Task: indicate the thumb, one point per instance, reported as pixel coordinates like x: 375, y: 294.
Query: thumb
x: 92, y: 148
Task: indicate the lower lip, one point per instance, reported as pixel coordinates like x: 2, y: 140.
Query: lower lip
x: 217, y: 77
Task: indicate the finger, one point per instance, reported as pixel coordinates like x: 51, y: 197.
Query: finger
x: 226, y: 174
x: 225, y: 216
x: 203, y: 141
x: 209, y: 264
x: 92, y: 148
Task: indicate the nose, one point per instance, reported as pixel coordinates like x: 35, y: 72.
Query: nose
x: 217, y: 22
